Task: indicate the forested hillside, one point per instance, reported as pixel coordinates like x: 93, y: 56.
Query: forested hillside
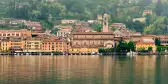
x: 119, y: 10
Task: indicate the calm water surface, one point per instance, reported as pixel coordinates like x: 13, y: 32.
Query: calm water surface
x: 83, y: 70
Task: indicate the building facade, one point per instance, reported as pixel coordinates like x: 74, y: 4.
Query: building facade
x: 68, y: 21
x: 16, y: 44
x: 15, y: 33
x: 4, y: 45
x: 163, y: 39
x: 55, y: 45
x: 63, y: 33
x: 88, y: 42
x: 145, y: 43
x: 33, y: 45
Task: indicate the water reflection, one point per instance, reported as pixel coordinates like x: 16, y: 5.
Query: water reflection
x: 83, y: 70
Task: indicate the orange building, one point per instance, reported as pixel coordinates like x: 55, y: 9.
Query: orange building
x: 16, y: 44
x: 54, y: 44
x: 15, y: 33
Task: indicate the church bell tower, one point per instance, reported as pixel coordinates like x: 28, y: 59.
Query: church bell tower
x: 105, y: 23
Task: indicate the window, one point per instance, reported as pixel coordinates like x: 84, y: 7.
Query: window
x: 36, y: 46
x: 36, y: 42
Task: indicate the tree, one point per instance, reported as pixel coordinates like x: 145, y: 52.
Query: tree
x: 159, y: 49
x: 150, y: 49
x: 131, y: 46
x: 159, y: 9
x: 97, y: 27
x: 122, y: 46
x: 138, y: 26
x: 157, y: 42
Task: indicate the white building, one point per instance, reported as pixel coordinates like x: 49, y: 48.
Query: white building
x: 68, y: 21
x: 63, y: 32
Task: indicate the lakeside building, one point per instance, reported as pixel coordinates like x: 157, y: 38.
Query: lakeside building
x: 135, y: 37
x: 33, y: 45
x: 55, y: 44
x: 146, y: 42
x: 163, y: 39
x: 88, y: 42
x: 16, y: 44
x: 4, y: 45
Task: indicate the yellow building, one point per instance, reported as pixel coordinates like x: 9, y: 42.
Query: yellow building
x: 4, y: 46
x: 146, y: 43
x: 33, y: 45
x: 99, y: 17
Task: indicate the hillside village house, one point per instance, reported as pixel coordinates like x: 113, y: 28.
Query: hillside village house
x: 64, y: 27
x: 145, y: 12
x: 92, y: 21
x: 118, y: 25
x: 63, y: 32
x: 68, y: 21
x: 35, y: 26
x: 16, y: 21
x: 15, y: 33
x: 139, y: 19
x: 99, y: 17
x: 2, y: 22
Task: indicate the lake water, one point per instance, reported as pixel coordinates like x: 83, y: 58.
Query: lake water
x: 83, y: 70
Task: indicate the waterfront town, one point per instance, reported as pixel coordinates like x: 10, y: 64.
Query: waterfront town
x: 74, y: 37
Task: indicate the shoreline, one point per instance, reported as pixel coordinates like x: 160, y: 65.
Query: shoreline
x: 68, y: 54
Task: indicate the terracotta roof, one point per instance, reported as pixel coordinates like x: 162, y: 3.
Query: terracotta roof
x: 64, y: 30
x: 92, y: 33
